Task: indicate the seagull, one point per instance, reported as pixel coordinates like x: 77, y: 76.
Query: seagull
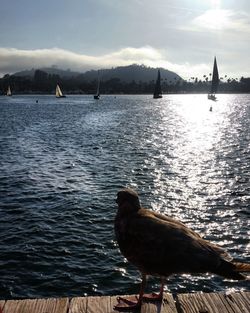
x: 159, y: 245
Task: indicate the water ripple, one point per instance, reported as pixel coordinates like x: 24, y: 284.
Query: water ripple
x: 62, y: 163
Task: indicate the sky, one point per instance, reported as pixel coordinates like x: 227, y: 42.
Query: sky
x: 179, y: 35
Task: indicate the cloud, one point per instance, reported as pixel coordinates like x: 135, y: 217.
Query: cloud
x: 225, y: 20
x: 13, y: 60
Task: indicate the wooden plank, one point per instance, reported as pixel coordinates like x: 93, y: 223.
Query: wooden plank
x: 236, y: 302
x: 203, y: 303
x: 2, y: 302
x: 189, y: 303
x: 78, y: 305
x: 218, y: 301
x: 51, y: 305
x: 167, y: 305
x: 99, y: 305
x: 246, y: 297
x: 239, y: 302
x: 150, y: 307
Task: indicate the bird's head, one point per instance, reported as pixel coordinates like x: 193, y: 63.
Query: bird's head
x: 128, y: 200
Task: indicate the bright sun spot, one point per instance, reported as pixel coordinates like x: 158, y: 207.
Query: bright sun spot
x: 214, y: 19
x: 215, y: 4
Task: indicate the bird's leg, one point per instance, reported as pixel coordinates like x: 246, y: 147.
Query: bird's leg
x: 155, y: 296
x: 131, y: 302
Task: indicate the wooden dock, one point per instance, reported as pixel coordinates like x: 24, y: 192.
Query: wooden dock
x: 236, y: 302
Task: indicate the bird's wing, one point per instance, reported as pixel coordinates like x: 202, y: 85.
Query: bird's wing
x: 161, y: 242
x: 192, y: 233
x: 169, y: 219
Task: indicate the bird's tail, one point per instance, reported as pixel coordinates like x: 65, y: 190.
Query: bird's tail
x: 232, y: 270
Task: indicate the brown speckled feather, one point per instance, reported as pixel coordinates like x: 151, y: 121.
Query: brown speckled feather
x: 160, y: 245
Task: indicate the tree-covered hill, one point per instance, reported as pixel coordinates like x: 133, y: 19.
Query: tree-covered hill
x: 134, y: 72
x: 133, y: 79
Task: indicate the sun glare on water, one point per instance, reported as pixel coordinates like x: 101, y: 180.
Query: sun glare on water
x: 192, y: 157
x: 199, y: 128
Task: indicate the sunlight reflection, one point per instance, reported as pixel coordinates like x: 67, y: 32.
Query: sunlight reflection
x: 194, y: 149
x: 189, y: 153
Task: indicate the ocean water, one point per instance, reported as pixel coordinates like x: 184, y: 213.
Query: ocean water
x: 62, y: 162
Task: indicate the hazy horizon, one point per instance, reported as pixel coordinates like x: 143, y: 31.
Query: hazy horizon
x: 182, y: 36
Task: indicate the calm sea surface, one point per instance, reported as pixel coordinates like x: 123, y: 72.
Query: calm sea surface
x: 62, y: 162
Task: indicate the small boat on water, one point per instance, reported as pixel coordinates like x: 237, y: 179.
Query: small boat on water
x: 59, y: 93
x: 215, y: 83
x: 9, y: 93
x: 97, y: 95
x: 158, y: 92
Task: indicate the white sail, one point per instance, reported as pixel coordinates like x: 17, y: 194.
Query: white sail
x: 59, y: 93
x: 8, y: 93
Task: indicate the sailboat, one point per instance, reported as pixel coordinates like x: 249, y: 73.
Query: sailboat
x: 158, y: 92
x: 215, y: 82
x: 97, y: 95
x: 59, y: 93
x: 8, y: 93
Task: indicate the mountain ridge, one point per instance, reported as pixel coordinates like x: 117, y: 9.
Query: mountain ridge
x: 133, y: 72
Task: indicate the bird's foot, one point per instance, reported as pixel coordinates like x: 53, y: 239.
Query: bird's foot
x: 153, y: 296
x: 127, y: 304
